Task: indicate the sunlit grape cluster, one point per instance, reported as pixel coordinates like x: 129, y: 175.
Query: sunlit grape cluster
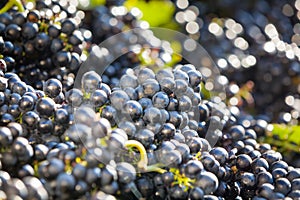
x: 139, y: 117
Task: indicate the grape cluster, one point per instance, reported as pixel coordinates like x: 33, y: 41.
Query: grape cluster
x: 145, y: 128
x: 39, y: 138
x: 43, y: 42
x: 137, y: 44
x: 150, y: 138
x: 106, y: 21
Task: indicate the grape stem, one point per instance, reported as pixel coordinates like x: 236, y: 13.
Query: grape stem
x: 142, y: 164
x: 156, y: 168
x: 181, y: 179
x: 12, y: 3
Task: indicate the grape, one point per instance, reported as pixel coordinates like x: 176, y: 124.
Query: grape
x: 45, y: 107
x: 178, y: 192
x: 279, y: 173
x: 196, y: 193
x: 220, y: 154
x: 144, y: 75
x: 259, y: 163
x: 84, y: 115
x: 180, y: 87
x: 150, y: 87
x: 145, y: 136
x: 126, y: 172
x: 184, y: 104
x: 195, y: 78
x: 283, y: 186
x: 207, y: 181
x: 248, y: 180
x: 152, y: 115
x: 264, y: 177
x: 52, y: 87
x: 167, y: 85
x: 243, y: 161
x: 26, y: 103
x: 128, y: 81
x: 193, y: 168
x: 171, y: 159
x: 6, y: 137
x: 160, y: 100
x: 118, y: 99
x: 145, y: 186
x: 90, y: 81
x: 133, y: 109
x: 30, y: 119
x: 131, y: 93
x: 45, y: 126
x: 65, y: 184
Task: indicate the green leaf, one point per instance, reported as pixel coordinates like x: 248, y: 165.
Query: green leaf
x: 90, y: 4
x: 95, y: 3
x: 156, y: 13
x: 206, y: 94
x: 287, y: 132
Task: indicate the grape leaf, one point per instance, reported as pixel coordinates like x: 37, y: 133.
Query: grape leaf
x: 156, y: 13
x: 90, y: 4
x: 287, y: 132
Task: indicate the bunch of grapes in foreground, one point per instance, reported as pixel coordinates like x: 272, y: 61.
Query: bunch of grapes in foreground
x: 146, y: 127
x: 151, y: 137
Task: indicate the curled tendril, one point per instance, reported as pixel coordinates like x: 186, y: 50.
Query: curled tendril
x: 10, y: 4
x: 143, y: 163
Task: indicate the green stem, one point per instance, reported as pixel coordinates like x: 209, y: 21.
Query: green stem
x: 12, y: 3
x: 20, y: 6
x: 155, y: 168
x: 142, y: 164
x: 36, y: 168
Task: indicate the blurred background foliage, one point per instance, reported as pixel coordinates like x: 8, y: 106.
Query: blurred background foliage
x: 158, y: 13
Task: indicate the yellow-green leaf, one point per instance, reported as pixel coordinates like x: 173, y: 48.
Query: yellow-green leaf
x: 90, y: 4
x: 287, y: 132
x: 156, y: 13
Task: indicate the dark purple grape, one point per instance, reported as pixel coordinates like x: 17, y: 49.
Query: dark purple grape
x: 178, y: 193
x: 243, y: 162
x: 220, y: 154
x: 145, y: 186
x: 133, y: 109
x: 193, y: 168
x: 30, y: 119
x: 282, y: 185
x: 45, y: 107
x: 126, y: 172
x: 52, y: 87
x: 207, y: 181
x: 196, y: 194
x: 12, y: 32
x: 68, y: 26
